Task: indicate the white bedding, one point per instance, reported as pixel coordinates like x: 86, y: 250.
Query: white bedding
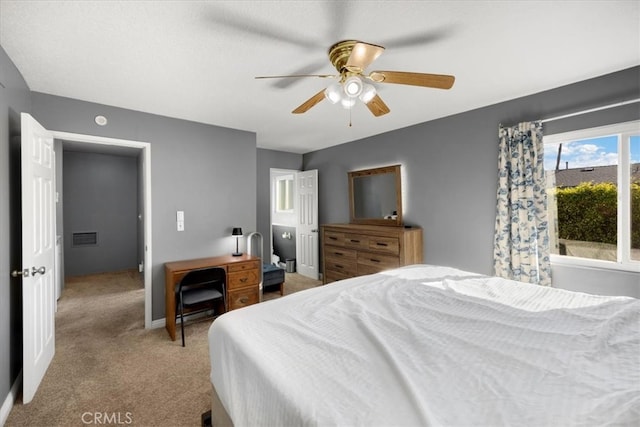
x: 427, y: 345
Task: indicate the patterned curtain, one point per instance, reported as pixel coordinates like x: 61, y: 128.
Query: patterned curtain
x: 521, y: 246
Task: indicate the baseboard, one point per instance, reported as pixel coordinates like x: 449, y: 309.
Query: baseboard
x: 158, y: 323
x: 5, y: 410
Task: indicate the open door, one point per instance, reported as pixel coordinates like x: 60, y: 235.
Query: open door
x: 307, y: 244
x: 38, y: 253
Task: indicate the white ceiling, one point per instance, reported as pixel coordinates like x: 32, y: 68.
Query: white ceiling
x: 197, y: 60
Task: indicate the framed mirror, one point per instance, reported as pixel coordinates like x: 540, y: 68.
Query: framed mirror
x: 375, y: 196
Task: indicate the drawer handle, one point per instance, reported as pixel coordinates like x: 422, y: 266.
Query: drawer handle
x: 381, y: 244
x: 355, y: 241
x: 333, y: 238
x: 338, y: 253
x: 374, y: 260
x: 338, y: 266
x: 243, y: 300
x: 244, y: 279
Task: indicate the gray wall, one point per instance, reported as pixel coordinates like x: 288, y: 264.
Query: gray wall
x: 270, y: 159
x: 450, y: 173
x: 191, y: 169
x: 14, y: 99
x: 100, y: 195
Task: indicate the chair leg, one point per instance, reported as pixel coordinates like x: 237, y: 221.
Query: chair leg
x: 182, y: 320
x: 282, y: 289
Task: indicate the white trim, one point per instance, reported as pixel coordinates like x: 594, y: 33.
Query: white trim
x: 591, y: 110
x: 594, y: 263
x: 5, y: 410
x: 623, y: 132
x: 159, y: 323
x: 625, y: 127
x: 145, y: 148
x: 624, y: 190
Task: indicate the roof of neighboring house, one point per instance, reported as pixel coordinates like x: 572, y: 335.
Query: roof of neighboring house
x: 595, y: 175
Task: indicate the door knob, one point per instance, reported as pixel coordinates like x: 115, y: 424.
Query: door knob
x: 40, y: 270
x: 17, y: 273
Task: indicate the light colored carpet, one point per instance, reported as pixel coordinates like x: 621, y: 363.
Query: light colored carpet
x: 107, y: 367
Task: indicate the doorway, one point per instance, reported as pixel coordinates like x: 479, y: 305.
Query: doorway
x: 142, y: 152
x: 294, y: 221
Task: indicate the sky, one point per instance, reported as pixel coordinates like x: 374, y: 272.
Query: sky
x: 589, y: 152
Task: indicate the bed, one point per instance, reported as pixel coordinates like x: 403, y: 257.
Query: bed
x: 428, y: 345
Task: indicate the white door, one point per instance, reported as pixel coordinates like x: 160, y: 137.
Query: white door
x: 38, y: 253
x: 307, y: 257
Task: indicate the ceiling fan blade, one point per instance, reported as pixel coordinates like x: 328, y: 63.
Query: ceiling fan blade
x: 236, y: 20
x: 306, y: 105
x: 439, y: 81
x: 418, y: 39
x: 377, y: 106
x: 362, y: 55
x: 323, y: 76
x: 315, y: 67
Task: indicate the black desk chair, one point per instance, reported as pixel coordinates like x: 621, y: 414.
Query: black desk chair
x: 203, y: 289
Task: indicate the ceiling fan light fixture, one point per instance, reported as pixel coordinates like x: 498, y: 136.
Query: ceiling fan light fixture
x: 347, y: 102
x: 368, y: 92
x: 333, y: 93
x: 353, y: 86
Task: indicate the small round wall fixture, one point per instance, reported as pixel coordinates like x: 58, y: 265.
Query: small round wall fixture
x: 101, y: 120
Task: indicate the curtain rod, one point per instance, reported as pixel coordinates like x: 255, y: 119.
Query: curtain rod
x: 591, y: 110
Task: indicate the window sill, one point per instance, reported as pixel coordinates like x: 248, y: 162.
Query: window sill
x: 570, y: 261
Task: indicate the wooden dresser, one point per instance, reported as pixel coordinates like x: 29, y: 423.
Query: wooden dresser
x: 350, y: 250
x: 243, y: 282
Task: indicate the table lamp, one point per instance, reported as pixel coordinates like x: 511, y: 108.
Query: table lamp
x: 237, y: 231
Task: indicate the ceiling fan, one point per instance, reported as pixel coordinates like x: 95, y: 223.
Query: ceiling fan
x: 351, y: 58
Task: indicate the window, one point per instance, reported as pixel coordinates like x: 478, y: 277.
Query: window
x: 593, y: 187
x: 284, y: 193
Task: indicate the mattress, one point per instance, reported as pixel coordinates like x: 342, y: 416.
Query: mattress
x: 430, y: 345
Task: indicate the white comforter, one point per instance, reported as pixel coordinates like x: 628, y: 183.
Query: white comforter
x: 426, y: 345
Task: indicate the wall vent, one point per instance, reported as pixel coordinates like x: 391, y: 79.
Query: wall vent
x: 85, y: 239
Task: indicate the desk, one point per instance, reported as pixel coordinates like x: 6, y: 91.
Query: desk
x: 243, y: 282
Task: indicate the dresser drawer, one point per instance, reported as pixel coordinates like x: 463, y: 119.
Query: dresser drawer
x: 382, y: 262
x: 242, y: 279
x: 389, y: 245
x: 334, y: 276
x: 333, y: 238
x: 339, y: 253
x: 356, y: 241
x: 243, y: 298
x: 243, y: 266
x: 347, y: 267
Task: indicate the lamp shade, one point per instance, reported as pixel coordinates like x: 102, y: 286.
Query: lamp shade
x: 237, y: 231
x: 353, y: 86
x: 332, y: 93
x: 368, y: 92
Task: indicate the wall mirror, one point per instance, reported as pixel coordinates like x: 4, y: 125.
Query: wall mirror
x: 375, y: 196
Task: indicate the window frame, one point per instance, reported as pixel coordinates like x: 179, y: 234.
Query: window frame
x: 289, y: 193
x: 624, y: 131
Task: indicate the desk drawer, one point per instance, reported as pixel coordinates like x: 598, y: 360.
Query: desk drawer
x: 243, y: 298
x: 243, y: 266
x: 242, y: 279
